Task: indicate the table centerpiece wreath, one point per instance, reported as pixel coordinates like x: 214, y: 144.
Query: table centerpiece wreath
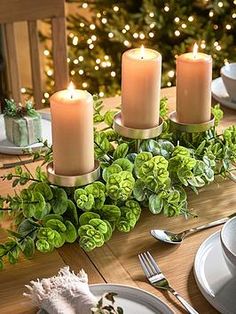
x: 157, y: 177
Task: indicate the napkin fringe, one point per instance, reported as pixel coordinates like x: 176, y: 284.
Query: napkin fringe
x: 65, y: 293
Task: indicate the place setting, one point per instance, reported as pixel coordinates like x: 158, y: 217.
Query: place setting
x: 93, y: 188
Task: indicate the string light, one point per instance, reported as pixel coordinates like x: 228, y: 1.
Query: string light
x: 169, y: 84
x: 75, y: 40
x: 71, y: 35
x: 177, y: 33
x: 218, y: 48
x: 81, y: 24
x: 142, y: 36
x: 84, y: 84
x: 23, y: 90
x: 98, y: 61
x: 211, y: 13
x: 110, y: 35
x: 89, y: 41
x: 81, y: 58
x: 92, y: 26
x: 124, y: 31
x: 177, y: 19
x: 127, y: 27
x: 126, y: 43
x: 68, y: 60
x: 215, y: 27
x: 84, y: 5
x: 106, y: 57
x: 104, y: 20
x: 46, y: 52
x: 94, y: 37
x: 81, y: 72
x: 190, y: 18
x: 152, y: 25
x: 72, y: 72
x: 151, y: 14
x: 183, y: 25
x: 228, y: 26
x: 96, y: 67
x: 46, y: 95
x: 171, y: 73
x: 101, y: 94
x: 99, y: 14
x: 76, y: 61
x: 50, y: 72
x: 113, y: 73
x: 234, y: 15
x: 91, y: 46
x: 116, y: 8
x: 166, y: 8
x: 43, y: 101
x: 220, y: 4
x: 151, y: 34
x: 135, y: 35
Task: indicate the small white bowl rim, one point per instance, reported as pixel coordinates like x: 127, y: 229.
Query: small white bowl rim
x: 221, y: 236
x: 227, y: 74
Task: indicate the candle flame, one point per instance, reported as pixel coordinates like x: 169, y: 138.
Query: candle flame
x: 195, y: 50
x: 142, y: 52
x: 71, y: 89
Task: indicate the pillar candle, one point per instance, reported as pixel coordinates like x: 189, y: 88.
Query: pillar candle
x: 141, y: 83
x: 72, y: 132
x: 193, y: 87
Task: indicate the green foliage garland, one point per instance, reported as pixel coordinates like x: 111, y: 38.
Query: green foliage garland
x: 158, y: 176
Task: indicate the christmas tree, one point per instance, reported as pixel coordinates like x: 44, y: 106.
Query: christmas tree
x: 97, y: 42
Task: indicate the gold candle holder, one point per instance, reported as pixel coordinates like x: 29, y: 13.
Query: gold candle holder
x: 190, y: 128
x: 136, y: 134
x: 73, y: 181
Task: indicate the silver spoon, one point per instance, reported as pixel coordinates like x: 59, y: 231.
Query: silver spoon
x: 177, y: 238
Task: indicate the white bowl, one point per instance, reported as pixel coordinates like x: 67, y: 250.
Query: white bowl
x: 228, y: 243
x: 228, y: 74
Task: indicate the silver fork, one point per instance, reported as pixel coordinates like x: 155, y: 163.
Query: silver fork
x: 158, y: 280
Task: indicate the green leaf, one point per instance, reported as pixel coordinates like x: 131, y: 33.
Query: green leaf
x: 71, y: 232
x: 99, y: 225
x: 110, y: 213
x: 59, y: 202
x: 108, y: 234
x: 58, y: 239
x: 44, y: 189
x: 28, y: 247
x: 1, y: 264
x: 2, y: 250
x: 25, y: 227
x: 51, y: 216
x: 56, y: 224
x: 124, y: 163
x: 108, y: 117
x: 155, y: 204
x: 39, y: 207
x: 87, y: 243
x: 84, y: 199
x: 139, y: 190
x: 43, y: 246
x: 71, y: 213
x: 110, y: 170
x: 140, y: 160
x: 86, y: 217
x: 121, y: 151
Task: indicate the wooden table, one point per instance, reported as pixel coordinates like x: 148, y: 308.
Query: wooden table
x: 117, y: 261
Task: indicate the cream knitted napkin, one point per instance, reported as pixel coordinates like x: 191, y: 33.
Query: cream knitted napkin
x: 66, y: 293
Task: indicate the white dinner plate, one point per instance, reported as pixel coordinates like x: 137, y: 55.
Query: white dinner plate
x: 133, y: 300
x: 213, y: 278
x: 220, y: 94
x: 7, y: 147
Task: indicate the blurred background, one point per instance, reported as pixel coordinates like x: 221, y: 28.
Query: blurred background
x: 100, y: 31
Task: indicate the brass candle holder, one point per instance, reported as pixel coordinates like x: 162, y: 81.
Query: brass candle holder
x: 190, y: 128
x: 73, y: 181
x: 137, y: 134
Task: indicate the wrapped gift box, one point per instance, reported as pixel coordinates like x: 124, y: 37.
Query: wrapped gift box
x: 23, y: 131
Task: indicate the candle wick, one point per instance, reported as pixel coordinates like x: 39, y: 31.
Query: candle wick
x: 142, y: 57
x: 71, y: 96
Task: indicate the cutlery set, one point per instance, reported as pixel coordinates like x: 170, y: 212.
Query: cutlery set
x: 153, y: 272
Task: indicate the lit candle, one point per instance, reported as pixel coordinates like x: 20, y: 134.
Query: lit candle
x: 72, y: 131
x: 141, y: 83
x: 193, y: 87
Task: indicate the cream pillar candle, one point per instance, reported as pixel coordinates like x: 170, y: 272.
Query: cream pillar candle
x: 72, y: 132
x: 141, y: 83
x: 193, y: 87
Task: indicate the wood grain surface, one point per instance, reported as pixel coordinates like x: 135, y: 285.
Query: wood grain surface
x: 117, y: 262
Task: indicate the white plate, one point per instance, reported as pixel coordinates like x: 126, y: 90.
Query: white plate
x: 213, y: 278
x: 220, y: 94
x: 7, y: 147
x: 133, y: 300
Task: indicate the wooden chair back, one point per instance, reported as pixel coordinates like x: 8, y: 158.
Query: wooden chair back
x: 12, y: 11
